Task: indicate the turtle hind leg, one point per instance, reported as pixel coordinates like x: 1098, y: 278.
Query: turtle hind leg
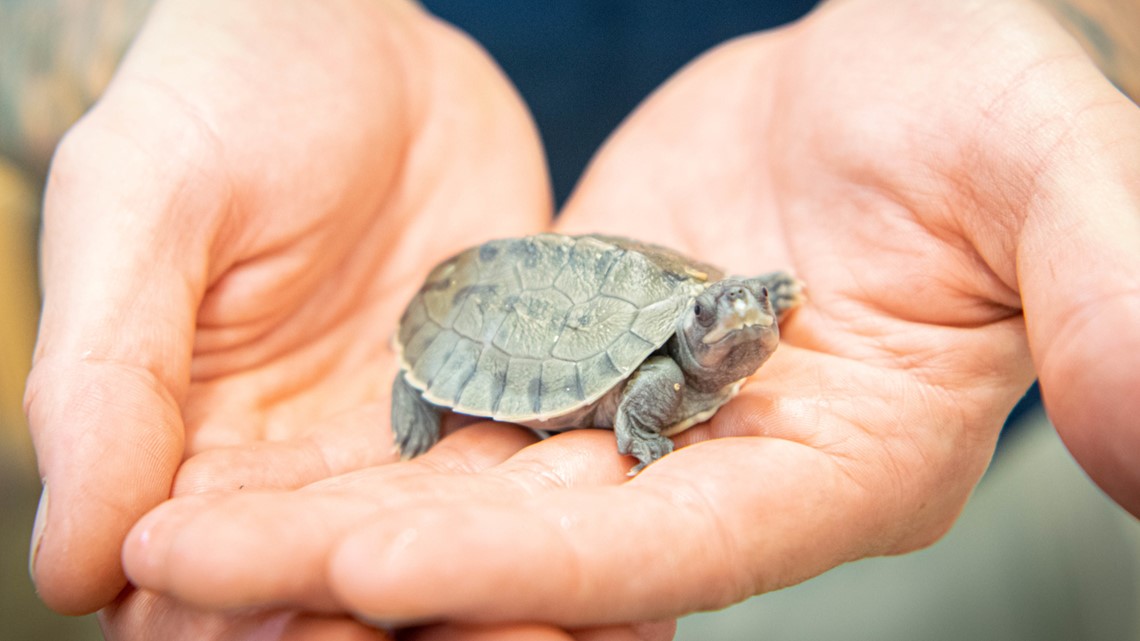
x: 415, y: 422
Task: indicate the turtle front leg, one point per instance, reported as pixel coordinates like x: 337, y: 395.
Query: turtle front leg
x: 647, y: 407
x: 415, y: 422
x: 786, y: 292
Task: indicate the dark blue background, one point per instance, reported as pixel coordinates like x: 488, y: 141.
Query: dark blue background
x: 583, y: 65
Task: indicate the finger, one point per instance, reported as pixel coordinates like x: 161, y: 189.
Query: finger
x: 547, y: 523
x: 123, y: 264
x: 508, y: 632
x: 210, y: 549
x: 146, y: 615
x: 684, y: 535
x: 303, y: 626
x: 657, y: 631
x: 648, y: 631
x: 711, y: 524
x: 347, y: 441
x: 1079, y: 276
x: 1057, y: 218
x: 880, y: 467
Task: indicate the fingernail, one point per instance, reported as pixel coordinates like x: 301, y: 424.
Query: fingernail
x: 38, y: 531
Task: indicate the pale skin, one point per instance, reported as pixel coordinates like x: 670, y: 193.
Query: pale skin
x: 956, y: 182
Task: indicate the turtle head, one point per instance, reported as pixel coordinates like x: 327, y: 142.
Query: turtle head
x: 726, y: 334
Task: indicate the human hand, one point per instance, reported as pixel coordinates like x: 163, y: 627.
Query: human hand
x: 228, y: 237
x: 230, y: 306
x: 956, y: 184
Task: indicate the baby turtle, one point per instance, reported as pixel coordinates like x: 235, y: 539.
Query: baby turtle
x: 556, y: 332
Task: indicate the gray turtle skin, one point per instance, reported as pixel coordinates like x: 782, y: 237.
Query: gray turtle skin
x: 558, y: 332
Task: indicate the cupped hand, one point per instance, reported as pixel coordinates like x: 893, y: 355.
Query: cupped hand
x: 229, y: 236
x: 957, y: 186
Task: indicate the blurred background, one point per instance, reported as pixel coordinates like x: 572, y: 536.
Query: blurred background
x: 1038, y: 554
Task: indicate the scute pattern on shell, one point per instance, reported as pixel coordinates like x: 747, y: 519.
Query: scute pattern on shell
x: 532, y: 328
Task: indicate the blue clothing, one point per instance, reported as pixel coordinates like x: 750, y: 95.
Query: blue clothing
x: 583, y: 65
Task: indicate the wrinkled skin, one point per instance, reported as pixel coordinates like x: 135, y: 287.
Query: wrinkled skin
x: 955, y: 182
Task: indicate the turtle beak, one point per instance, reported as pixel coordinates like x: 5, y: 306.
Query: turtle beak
x: 738, y: 309
x: 746, y: 315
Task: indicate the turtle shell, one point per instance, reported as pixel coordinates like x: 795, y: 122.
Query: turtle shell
x: 532, y: 328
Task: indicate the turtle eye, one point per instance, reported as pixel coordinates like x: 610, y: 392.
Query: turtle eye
x: 704, y: 315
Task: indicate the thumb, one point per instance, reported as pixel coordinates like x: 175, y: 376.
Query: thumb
x: 123, y: 269
x: 1078, y: 270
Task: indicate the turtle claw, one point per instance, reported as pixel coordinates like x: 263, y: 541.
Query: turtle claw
x: 646, y: 446
x: 785, y: 291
